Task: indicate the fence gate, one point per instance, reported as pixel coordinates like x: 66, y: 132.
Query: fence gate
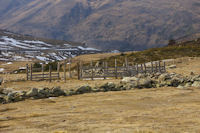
x: 40, y: 74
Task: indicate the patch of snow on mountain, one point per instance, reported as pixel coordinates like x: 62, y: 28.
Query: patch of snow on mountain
x: 67, y: 45
x: 42, y: 58
x: 37, y: 42
x: 82, y: 48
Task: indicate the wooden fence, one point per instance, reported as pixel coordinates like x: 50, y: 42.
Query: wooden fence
x: 40, y: 74
x: 76, y: 69
x: 91, y: 72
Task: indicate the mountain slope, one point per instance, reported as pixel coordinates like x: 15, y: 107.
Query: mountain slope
x: 17, y: 47
x: 106, y: 24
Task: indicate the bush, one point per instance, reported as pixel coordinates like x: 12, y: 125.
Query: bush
x: 37, y: 65
x: 52, y: 64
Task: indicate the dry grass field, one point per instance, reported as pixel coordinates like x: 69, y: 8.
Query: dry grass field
x: 168, y: 110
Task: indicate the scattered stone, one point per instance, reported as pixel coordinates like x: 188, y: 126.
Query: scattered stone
x: 192, y: 74
x: 172, y: 66
x: 57, y: 91
x: 144, y: 83
x: 196, y: 84
x: 1, y: 81
x: 181, y: 87
x: 32, y: 93
x: 109, y: 87
x: 189, y: 84
x: 84, y: 89
x: 2, y: 100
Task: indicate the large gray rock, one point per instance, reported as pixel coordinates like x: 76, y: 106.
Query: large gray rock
x: 43, y: 92
x: 144, y: 83
x: 188, y: 84
x: 15, y: 96
x: 2, y: 99
x: 32, y: 93
x: 134, y: 82
x: 129, y: 79
x: 57, y: 91
x: 196, y: 84
x: 171, y: 66
x: 84, y: 89
x: 109, y: 87
x: 5, y: 91
x: 164, y: 77
x: 1, y: 81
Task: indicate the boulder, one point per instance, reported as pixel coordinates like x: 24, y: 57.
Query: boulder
x: 144, y: 83
x: 129, y: 79
x: 43, y: 92
x: 172, y: 66
x: 84, y: 89
x: 108, y: 87
x: 164, y: 77
x: 57, y: 91
x: 174, y: 82
x: 196, y: 84
x: 181, y: 87
x: 188, y: 84
x: 1, y: 81
x: 71, y: 92
x: 15, y: 96
x: 32, y: 93
x: 6, y: 91
x: 2, y: 99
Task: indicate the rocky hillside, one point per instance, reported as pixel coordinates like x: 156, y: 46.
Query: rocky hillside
x: 106, y: 24
x: 17, y: 47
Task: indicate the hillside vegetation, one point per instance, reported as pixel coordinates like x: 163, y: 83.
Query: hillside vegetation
x: 185, y: 49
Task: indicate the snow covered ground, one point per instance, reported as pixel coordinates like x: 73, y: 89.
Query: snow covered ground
x: 22, y: 50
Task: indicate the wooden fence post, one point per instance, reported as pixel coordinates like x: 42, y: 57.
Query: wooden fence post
x: 31, y: 72
x: 27, y: 71
x: 58, y: 70
x: 78, y: 71
x: 164, y: 66
x: 126, y: 63
x: 42, y: 71
x: 81, y: 70
x: 65, y: 70
x: 91, y: 65
x: 152, y: 69
x: 50, y: 73
x: 104, y: 70
x: 159, y: 67
x: 70, y: 74
x: 156, y: 70
x: 145, y: 68
x: 142, y: 70
x: 116, y: 76
x: 137, y: 68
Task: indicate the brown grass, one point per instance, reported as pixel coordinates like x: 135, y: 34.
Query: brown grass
x: 159, y: 110
x: 141, y: 111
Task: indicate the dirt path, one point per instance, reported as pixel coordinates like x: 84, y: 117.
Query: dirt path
x: 156, y: 110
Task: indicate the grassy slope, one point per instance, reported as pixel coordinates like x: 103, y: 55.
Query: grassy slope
x: 186, y: 49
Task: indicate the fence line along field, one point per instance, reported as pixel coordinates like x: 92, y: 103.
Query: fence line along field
x: 100, y: 70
